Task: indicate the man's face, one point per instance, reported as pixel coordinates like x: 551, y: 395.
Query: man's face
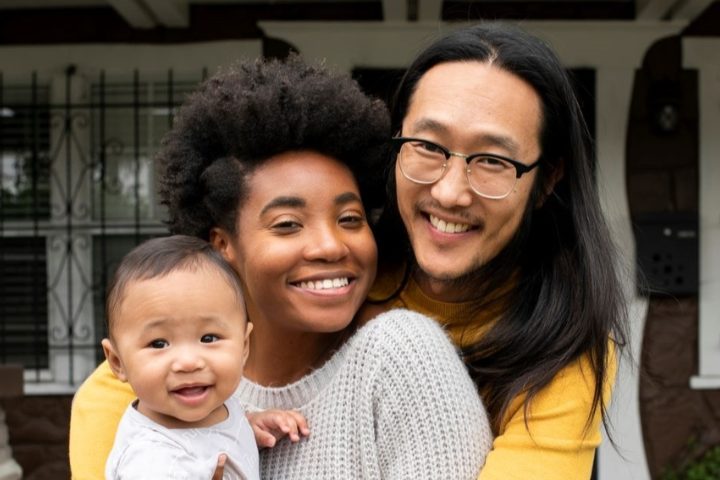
x: 468, y: 107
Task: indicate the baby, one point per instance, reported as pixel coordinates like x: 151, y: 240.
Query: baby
x: 178, y: 333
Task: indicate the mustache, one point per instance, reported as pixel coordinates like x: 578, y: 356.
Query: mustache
x: 433, y: 206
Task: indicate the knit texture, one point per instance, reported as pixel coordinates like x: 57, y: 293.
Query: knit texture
x: 555, y: 441
x: 395, y: 402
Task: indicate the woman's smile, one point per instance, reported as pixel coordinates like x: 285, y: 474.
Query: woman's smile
x: 305, y: 255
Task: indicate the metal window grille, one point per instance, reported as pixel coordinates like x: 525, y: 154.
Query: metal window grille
x: 76, y: 193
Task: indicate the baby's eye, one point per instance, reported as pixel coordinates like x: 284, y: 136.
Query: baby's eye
x: 209, y: 338
x: 159, y: 344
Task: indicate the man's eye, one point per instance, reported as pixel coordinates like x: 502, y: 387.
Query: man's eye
x: 493, y: 163
x: 159, y: 344
x: 429, y: 147
x: 209, y: 338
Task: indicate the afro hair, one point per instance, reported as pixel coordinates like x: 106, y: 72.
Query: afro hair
x: 241, y: 117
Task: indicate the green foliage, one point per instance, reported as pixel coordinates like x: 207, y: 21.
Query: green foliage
x: 693, y: 467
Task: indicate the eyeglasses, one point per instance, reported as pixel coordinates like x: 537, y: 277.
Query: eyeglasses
x: 489, y: 175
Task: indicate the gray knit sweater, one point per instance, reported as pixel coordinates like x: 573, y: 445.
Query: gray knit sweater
x: 395, y: 402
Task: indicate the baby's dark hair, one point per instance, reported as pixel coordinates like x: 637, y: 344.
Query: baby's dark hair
x: 159, y: 257
x: 241, y: 117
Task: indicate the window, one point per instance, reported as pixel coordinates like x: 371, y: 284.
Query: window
x: 78, y: 192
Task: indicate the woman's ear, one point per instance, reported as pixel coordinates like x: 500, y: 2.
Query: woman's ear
x: 114, y: 360
x: 221, y: 242
x: 248, y: 328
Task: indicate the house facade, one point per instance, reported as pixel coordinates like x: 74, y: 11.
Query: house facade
x: 88, y: 88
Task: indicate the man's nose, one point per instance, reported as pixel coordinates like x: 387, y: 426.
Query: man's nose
x: 453, y: 189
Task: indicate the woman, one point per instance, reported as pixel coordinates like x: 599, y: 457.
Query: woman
x: 262, y: 161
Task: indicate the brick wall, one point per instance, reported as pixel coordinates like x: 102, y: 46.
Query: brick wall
x: 39, y: 428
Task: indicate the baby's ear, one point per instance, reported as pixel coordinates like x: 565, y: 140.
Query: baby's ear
x: 114, y: 360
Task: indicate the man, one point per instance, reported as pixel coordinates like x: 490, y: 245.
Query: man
x: 494, y: 227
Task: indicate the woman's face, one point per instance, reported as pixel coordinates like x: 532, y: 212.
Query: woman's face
x: 303, y: 249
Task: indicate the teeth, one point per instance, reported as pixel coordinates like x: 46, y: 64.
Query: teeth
x: 446, y: 227
x: 326, y: 284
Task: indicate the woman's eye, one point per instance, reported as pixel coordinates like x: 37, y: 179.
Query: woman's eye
x: 159, y: 344
x: 209, y: 338
x: 286, y: 225
x: 352, y: 220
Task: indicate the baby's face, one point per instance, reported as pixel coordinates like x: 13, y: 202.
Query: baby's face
x: 181, y: 342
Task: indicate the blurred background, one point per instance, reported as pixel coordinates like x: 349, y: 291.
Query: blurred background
x: 89, y: 87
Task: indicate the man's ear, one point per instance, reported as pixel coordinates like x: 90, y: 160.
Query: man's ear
x: 555, y: 174
x: 221, y: 242
x: 114, y: 359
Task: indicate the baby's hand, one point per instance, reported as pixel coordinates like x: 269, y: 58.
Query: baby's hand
x: 272, y: 425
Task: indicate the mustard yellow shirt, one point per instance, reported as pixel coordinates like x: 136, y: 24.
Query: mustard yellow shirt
x: 558, y: 445
x: 96, y: 411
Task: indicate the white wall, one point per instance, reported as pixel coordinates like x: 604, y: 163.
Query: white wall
x: 703, y: 54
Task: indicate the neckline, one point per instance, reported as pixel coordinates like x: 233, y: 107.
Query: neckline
x: 294, y: 394
x: 445, y: 310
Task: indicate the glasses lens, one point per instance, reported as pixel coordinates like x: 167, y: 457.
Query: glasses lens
x: 421, y: 162
x: 492, y: 177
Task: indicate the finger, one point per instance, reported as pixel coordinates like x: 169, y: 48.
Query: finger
x: 301, y: 423
x: 293, y: 430
x: 218, y: 475
x: 265, y: 440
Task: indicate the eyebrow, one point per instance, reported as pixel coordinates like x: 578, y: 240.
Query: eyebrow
x: 158, y: 322
x: 503, y: 141
x: 347, y: 197
x: 208, y: 321
x: 298, y: 202
x: 294, y: 202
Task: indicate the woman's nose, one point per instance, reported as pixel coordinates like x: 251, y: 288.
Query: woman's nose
x: 326, y: 244
x: 453, y: 189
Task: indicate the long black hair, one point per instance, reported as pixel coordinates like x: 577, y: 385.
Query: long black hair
x: 568, y: 299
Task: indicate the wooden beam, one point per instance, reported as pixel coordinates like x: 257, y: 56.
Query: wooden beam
x: 395, y: 10
x: 430, y: 10
x: 170, y: 13
x: 691, y: 9
x: 134, y: 13
x: 654, y: 9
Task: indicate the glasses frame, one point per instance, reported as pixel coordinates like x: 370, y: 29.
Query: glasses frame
x: 520, y: 168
